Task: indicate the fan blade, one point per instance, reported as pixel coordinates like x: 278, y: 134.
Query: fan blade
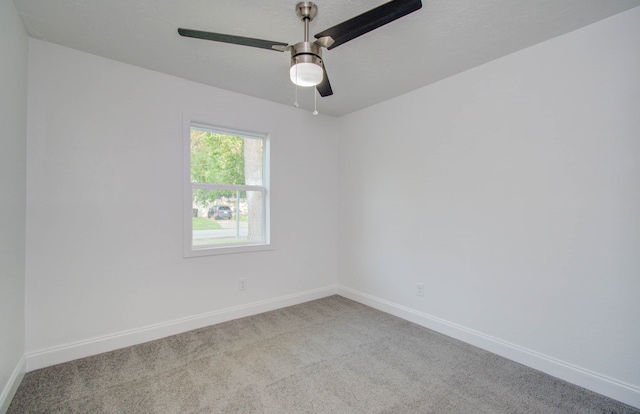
x: 237, y: 40
x: 324, y: 87
x: 368, y: 21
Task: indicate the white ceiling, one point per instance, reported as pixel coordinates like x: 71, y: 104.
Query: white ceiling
x: 445, y: 37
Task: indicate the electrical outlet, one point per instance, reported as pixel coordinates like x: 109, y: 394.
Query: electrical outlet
x: 420, y: 289
x: 242, y: 283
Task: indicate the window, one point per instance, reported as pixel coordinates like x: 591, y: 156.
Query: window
x: 226, y: 198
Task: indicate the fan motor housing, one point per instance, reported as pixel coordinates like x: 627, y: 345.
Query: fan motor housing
x: 306, y: 52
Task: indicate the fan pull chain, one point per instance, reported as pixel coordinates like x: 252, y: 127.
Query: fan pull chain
x: 315, y: 97
x: 315, y: 102
x: 295, y: 103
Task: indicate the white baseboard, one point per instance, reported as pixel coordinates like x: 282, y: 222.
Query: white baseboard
x: 11, y: 386
x: 601, y: 384
x: 69, y: 352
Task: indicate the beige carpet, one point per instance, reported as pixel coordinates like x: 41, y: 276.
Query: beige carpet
x: 327, y: 356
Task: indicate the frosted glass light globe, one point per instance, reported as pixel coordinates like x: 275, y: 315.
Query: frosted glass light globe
x: 306, y: 74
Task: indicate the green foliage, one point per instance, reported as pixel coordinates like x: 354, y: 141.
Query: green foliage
x: 216, y: 158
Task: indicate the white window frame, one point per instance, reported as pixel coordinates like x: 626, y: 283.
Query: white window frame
x: 188, y: 187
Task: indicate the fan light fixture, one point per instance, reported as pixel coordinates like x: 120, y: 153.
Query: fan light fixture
x: 306, y: 57
x: 306, y: 74
x: 306, y: 70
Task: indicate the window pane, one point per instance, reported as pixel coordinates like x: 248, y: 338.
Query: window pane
x: 218, y: 158
x: 227, y: 217
x: 227, y: 204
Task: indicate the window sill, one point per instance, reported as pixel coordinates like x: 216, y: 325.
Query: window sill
x: 234, y: 249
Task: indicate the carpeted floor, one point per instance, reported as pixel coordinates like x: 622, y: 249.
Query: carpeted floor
x: 331, y: 355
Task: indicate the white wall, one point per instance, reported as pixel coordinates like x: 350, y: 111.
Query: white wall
x: 104, y: 233
x: 13, y: 144
x: 512, y: 191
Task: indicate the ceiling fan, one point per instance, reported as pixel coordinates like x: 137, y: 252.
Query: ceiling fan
x: 307, y: 68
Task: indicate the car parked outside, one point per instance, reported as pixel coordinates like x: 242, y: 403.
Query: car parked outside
x: 219, y: 212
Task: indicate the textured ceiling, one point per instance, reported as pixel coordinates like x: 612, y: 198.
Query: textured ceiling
x: 445, y: 37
